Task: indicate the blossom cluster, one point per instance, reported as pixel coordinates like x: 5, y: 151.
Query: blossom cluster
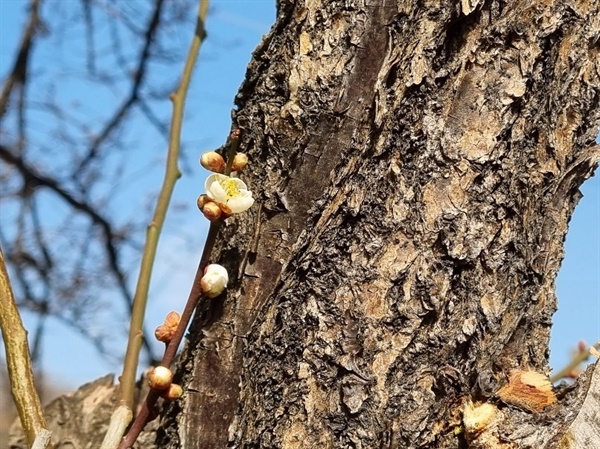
x: 225, y: 195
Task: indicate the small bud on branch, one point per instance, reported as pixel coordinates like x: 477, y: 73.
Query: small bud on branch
x: 213, y: 161
x: 214, y: 280
x: 239, y: 162
x: 160, y: 378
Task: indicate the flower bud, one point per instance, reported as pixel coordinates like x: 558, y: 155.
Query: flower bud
x: 202, y: 201
x: 172, y: 320
x: 160, y: 378
x: 173, y: 392
x: 240, y: 161
x: 164, y: 333
x: 213, y: 161
x: 212, y: 212
x: 226, y: 211
x: 214, y: 280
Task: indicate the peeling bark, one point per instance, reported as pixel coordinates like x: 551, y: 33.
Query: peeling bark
x: 416, y: 165
x: 416, y: 168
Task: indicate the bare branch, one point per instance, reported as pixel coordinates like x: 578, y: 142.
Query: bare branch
x: 133, y: 97
x: 18, y: 74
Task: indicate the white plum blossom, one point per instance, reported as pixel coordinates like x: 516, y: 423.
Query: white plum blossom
x: 228, y: 191
x: 214, y: 280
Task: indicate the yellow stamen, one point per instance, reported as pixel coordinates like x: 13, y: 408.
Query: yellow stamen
x: 230, y: 188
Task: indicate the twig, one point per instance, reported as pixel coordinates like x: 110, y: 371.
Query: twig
x: 194, y: 298
x: 18, y: 74
x: 18, y: 361
x: 139, y: 304
x: 577, y: 360
x: 133, y: 98
x: 172, y: 173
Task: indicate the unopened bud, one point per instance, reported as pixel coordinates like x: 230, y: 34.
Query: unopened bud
x: 213, y: 161
x: 214, y: 280
x: 164, y: 333
x: 212, y: 211
x: 202, y: 201
x: 172, y: 320
x: 173, y: 392
x: 227, y: 212
x: 240, y: 161
x: 582, y: 346
x: 160, y: 378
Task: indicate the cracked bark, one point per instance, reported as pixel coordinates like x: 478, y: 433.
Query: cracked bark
x: 416, y: 166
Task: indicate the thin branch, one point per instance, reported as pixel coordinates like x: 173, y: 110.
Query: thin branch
x: 172, y: 173
x: 18, y: 74
x: 89, y: 36
x: 579, y: 358
x: 18, y: 361
x: 33, y: 179
x: 138, y: 78
x: 195, y: 299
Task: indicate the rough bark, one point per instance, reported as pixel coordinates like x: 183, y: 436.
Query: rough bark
x: 416, y: 165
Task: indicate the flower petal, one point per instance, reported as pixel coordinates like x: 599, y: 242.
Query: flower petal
x: 241, y: 203
x: 214, y: 189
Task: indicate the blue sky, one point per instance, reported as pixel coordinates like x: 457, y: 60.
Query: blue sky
x: 234, y: 30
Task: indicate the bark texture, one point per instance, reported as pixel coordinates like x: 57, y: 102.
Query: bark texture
x: 416, y: 165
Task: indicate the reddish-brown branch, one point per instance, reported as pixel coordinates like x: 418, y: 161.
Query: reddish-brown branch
x: 146, y: 411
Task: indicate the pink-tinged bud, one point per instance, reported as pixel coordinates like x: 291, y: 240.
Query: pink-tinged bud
x: 240, y: 161
x: 213, y: 161
x: 172, y: 320
x: 582, y: 346
x: 226, y: 211
x: 202, y: 200
x: 160, y: 378
x: 164, y: 333
x: 212, y: 212
x: 173, y: 393
x: 214, y: 280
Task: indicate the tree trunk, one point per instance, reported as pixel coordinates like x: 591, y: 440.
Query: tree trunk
x: 416, y: 166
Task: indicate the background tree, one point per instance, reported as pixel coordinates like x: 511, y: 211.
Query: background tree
x: 416, y: 167
x: 75, y: 158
